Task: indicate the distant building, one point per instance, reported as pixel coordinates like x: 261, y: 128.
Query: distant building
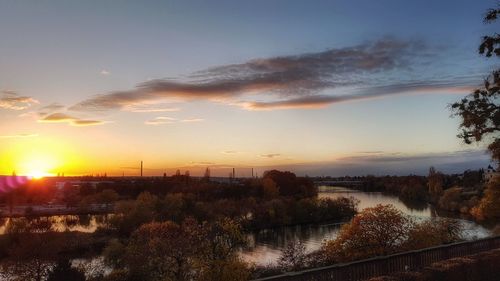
x: 490, y: 174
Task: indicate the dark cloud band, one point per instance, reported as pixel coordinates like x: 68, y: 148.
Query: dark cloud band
x: 288, y: 81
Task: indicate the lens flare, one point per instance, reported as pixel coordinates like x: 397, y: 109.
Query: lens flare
x: 8, y: 183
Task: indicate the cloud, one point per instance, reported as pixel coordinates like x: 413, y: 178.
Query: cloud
x: 160, y: 121
x: 169, y: 120
x: 65, y: 118
x: 18, y: 136
x: 192, y: 120
x: 371, y: 152
x: 13, y: 101
x: 51, y: 108
x: 202, y: 163
x: 105, y: 72
x: 374, y: 92
x: 395, y: 157
x: 150, y: 108
x: 79, y: 122
x: 288, y: 81
x: 271, y: 155
x: 391, y: 163
x: 230, y: 152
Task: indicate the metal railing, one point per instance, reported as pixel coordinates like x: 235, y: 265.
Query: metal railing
x: 378, y: 266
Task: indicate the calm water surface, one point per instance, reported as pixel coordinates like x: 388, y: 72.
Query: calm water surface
x: 82, y: 223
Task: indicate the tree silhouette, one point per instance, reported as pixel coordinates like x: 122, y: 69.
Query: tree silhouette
x: 65, y: 272
x: 480, y: 111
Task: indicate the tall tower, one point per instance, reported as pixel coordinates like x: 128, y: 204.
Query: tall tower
x: 141, y: 168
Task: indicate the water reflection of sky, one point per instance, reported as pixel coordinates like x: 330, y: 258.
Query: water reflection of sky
x: 371, y: 199
x: 82, y: 223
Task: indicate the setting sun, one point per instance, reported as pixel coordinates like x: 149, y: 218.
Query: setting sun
x: 37, y: 165
x: 38, y: 174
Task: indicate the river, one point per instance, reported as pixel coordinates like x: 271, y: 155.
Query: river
x: 265, y: 246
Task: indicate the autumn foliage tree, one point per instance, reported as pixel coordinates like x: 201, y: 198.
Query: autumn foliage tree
x: 180, y: 252
x: 384, y: 230
x: 376, y: 231
x: 217, y: 256
x: 435, y: 182
x: 489, y: 206
x: 163, y: 251
x: 289, y: 184
x: 480, y: 111
x: 433, y: 232
x: 293, y: 256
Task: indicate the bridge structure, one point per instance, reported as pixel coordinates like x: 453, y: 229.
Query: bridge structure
x: 384, y: 265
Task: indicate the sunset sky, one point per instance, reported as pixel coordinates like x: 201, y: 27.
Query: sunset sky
x: 316, y: 87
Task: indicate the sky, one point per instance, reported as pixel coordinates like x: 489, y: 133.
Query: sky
x: 315, y: 87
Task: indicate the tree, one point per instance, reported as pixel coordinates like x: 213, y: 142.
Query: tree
x: 270, y: 189
x: 435, y: 181
x: 70, y: 195
x: 293, y: 256
x: 107, y: 197
x: 290, y: 185
x: 32, y: 256
x: 489, y: 206
x: 206, y: 176
x: 433, y: 232
x: 413, y: 190
x: 129, y: 215
x: 218, y: 258
x: 480, y: 111
x: 376, y: 231
x: 114, y: 253
x: 63, y: 271
x: 451, y: 199
x: 163, y: 251
x: 173, y: 207
x: 186, y: 251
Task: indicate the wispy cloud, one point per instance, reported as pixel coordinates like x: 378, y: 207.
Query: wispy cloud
x: 270, y: 155
x: 105, y: 72
x: 150, y: 108
x: 51, y: 108
x: 367, y: 93
x: 371, y: 152
x: 294, y: 81
x: 18, y: 136
x: 393, y: 157
x: 391, y: 163
x: 230, y: 152
x: 192, y: 120
x: 169, y: 120
x: 160, y: 121
x: 65, y: 118
x: 202, y: 163
x: 12, y: 100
